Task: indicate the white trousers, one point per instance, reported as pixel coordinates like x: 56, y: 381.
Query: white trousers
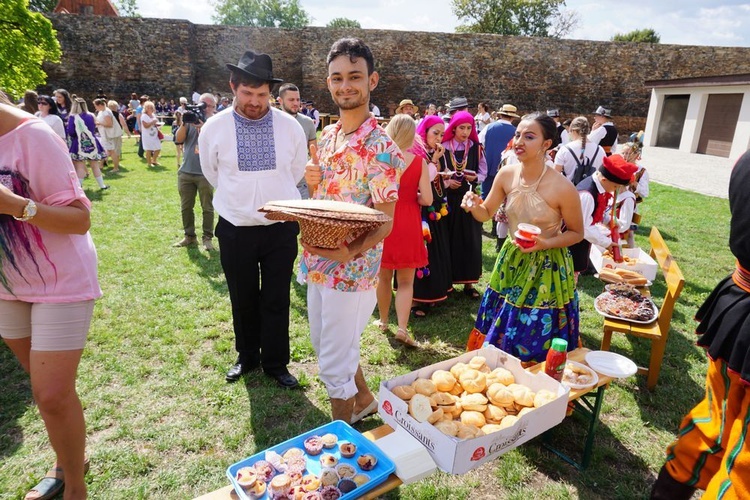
x: 337, y: 320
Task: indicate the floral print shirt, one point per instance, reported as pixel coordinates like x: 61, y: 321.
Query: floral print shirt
x: 364, y: 170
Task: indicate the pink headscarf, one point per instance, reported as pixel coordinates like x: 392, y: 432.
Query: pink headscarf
x: 457, y: 119
x: 424, y: 126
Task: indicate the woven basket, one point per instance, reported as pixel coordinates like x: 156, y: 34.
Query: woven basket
x: 324, y: 223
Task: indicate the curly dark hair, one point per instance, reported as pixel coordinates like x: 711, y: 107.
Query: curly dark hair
x: 354, y: 48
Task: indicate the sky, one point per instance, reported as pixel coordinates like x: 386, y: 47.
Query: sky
x: 686, y: 22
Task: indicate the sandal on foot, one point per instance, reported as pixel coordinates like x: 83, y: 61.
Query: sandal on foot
x: 371, y: 409
x: 419, y: 311
x: 383, y: 327
x: 472, y: 293
x: 51, y: 484
x: 404, y: 337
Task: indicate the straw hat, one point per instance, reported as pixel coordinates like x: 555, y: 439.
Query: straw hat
x: 326, y: 223
x: 509, y: 110
x: 406, y: 102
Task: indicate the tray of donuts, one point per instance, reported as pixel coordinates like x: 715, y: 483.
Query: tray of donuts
x: 473, y: 408
x: 333, y: 461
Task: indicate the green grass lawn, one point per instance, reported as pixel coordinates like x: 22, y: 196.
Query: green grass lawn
x: 163, y: 423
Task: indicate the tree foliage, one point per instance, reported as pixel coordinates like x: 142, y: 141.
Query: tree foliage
x: 128, y: 8
x: 261, y: 13
x: 646, y: 35
x: 42, y: 5
x: 342, y: 22
x: 26, y: 40
x: 514, y: 17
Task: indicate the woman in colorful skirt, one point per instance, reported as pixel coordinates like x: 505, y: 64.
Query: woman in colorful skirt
x: 434, y: 281
x: 531, y: 297
x: 464, y: 157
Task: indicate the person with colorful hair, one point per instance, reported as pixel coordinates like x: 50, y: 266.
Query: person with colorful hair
x: 712, y: 449
x: 404, y: 249
x: 48, y: 284
x: 464, y: 157
x: 531, y: 296
x: 435, y: 281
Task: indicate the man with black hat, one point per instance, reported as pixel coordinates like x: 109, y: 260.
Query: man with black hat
x: 595, y: 192
x: 455, y: 104
x: 555, y: 115
x: 252, y: 153
x: 604, y: 131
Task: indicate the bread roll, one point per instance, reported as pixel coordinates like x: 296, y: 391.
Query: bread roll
x: 508, y: 421
x: 457, y: 389
x: 404, y: 392
x: 525, y: 411
x: 474, y: 418
x: 500, y: 395
x: 443, y: 380
x: 494, y: 414
x: 458, y: 369
x: 419, y: 407
x: 435, y: 416
x: 543, y: 397
x: 490, y: 428
x: 474, y: 402
x: 468, y: 431
x: 477, y: 362
x: 447, y: 427
x: 424, y: 386
x: 473, y: 381
x: 500, y: 376
x: 522, y: 394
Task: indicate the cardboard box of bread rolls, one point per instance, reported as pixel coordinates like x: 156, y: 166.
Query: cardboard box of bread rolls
x: 459, y: 454
x: 641, y: 261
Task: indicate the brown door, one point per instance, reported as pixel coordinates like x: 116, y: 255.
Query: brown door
x: 719, y: 124
x: 672, y: 121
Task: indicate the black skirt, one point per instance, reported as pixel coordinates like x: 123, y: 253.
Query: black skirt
x: 465, y: 239
x: 435, y: 286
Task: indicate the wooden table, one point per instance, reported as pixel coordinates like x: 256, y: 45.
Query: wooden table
x: 579, y: 397
x: 587, y: 402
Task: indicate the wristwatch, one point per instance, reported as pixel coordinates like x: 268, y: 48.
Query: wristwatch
x: 29, y: 211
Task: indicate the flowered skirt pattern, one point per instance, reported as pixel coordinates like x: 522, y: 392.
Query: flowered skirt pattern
x: 531, y: 299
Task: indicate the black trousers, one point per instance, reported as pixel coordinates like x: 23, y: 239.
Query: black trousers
x: 258, y: 262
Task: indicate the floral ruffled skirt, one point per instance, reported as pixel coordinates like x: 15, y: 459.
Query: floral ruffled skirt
x: 531, y: 299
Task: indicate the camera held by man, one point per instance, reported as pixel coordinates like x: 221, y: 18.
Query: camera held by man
x: 195, y: 113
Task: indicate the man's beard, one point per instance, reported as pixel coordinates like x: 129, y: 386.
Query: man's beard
x: 352, y: 104
x: 289, y: 110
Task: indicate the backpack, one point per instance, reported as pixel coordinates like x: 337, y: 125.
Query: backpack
x: 86, y: 142
x: 584, y: 169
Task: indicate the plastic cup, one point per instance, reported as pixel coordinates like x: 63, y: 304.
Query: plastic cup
x: 523, y: 242
x: 528, y: 231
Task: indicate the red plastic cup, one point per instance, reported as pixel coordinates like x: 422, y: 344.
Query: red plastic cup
x: 528, y: 231
x: 523, y: 242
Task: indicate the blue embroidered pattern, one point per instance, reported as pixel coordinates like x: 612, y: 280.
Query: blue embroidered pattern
x: 256, y: 150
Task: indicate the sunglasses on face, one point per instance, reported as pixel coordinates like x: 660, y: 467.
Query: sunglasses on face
x: 43, y: 103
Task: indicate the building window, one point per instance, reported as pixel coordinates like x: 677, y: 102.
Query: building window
x: 86, y: 10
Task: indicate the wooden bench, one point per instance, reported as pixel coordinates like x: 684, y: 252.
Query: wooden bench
x: 658, y: 331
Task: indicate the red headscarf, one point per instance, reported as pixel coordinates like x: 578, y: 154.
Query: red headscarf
x: 457, y: 119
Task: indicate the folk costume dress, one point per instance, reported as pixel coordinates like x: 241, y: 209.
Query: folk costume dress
x: 404, y: 247
x: 465, y: 232
x: 436, y: 280
x: 531, y: 297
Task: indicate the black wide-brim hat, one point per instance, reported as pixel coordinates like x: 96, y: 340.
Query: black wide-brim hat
x: 256, y: 65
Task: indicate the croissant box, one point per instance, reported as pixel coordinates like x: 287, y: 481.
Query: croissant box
x: 460, y: 456
x: 644, y: 263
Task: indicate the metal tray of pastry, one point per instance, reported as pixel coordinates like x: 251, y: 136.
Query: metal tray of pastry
x: 612, y: 316
x: 345, y: 433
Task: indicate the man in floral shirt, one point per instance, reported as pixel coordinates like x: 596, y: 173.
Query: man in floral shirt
x: 358, y: 163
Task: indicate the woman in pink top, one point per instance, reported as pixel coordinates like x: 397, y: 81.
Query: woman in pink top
x: 48, y: 283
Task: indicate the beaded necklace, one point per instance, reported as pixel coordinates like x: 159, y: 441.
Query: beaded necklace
x: 459, y: 166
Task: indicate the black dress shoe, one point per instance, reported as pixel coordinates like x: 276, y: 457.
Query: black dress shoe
x: 237, y: 370
x: 285, y: 380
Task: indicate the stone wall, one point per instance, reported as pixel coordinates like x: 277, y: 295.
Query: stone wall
x: 162, y: 57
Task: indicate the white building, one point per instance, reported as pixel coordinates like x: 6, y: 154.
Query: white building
x: 706, y: 115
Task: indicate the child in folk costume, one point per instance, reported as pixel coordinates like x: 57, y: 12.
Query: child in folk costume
x: 464, y: 157
x: 436, y: 280
x: 595, y: 193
